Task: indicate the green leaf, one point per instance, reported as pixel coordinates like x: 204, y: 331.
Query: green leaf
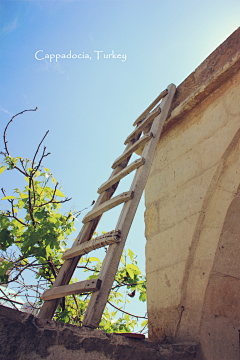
x: 131, y: 254
x: 122, y: 260
x: 94, y: 259
x: 48, y: 250
x: 59, y: 193
x: 134, y: 267
x: 144, y: 323
x: 130, y: 272
x: 2, y: 168
x: 9, y: 197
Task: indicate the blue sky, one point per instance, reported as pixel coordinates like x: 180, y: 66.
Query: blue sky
x: 89, y: 105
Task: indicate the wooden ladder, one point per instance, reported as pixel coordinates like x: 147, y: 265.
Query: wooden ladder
x: 151, y: 123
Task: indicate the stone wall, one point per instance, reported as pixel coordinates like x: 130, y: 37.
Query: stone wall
x: 25, y: 337
x: 193, y: 212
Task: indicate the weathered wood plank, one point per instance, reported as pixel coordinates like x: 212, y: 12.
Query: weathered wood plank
x: 150, y: 117
x: 134, y: 165
x: 64, y: 276
x: 80, y: 287
x: 117, y: 200
x: 142, y: 141
x: 110, y: 265
x: 151, y: 106
x: 103, y: 240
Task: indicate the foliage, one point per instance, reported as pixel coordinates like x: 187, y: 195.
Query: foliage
x: 128, y: 276
x: 33, y: 237
x: 32, y: 224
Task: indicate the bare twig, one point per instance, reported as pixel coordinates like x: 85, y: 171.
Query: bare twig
x: 85, y: 267
x: 8, y: 215
x: 21, y: 271
x: 8, y: 299
x: 52, y: 199
x: 43, y: 156
x: 4, y: 134
x: 74, y: 297
x: 5, y: 141
x: 30, y: 202
x: 39, y: 148
x: 125, y: 312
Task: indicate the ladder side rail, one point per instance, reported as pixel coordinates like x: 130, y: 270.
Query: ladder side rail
x: 110, y: 265
x: 67, y: 269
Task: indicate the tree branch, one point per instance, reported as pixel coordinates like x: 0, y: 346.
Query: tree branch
x: 52, y: 200
x: 40, y: 161
x: 39, y: 148
x: 8, y: 299
x: 125, y: 312
x: 4, y: 134
x: 9, y: 214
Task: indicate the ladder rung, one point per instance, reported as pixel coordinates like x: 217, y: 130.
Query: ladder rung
x: 150, y: 117
x: 151, y: 106
x: 100, y: 241
x: 127, y: 170
x: 80, y: 287
x: 142, y: 141
x: 107, y: 205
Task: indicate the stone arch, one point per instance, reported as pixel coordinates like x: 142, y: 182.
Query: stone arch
x: 211, y: 285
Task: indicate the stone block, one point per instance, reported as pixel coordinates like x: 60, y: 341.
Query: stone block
x: 170, y: 246
x: 196, y: 285
x: 187, y: 134
x: 207, y: 244
x: 186, y: 201
x: 189, y: 325
x: 163, y: 324
x: 151, y: 220
x: 219, y: 338
x: 212, y: 149
x: 222, y: 296
x: 25, y: 337
x: 232, y: 100
x: 217, y: 208
x: 164, y: 286
x: 228, y: 254
x: 171, y: 178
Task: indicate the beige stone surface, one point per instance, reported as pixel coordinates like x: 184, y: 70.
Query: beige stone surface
x: 217, y: 208
x: 151, y: 220
x: 173, y: 177
x: 196, y: 285
x: 163, y: 250
x: 163, y: 324
x: 164, y: 286
x: 193, y: 214
x: 222, y: 296
x: 207, y: 244
x: 185, y: 201
x: 219, y: 337
x: 189, y: 326
x: 228, y: 255
x: 206, y: 119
